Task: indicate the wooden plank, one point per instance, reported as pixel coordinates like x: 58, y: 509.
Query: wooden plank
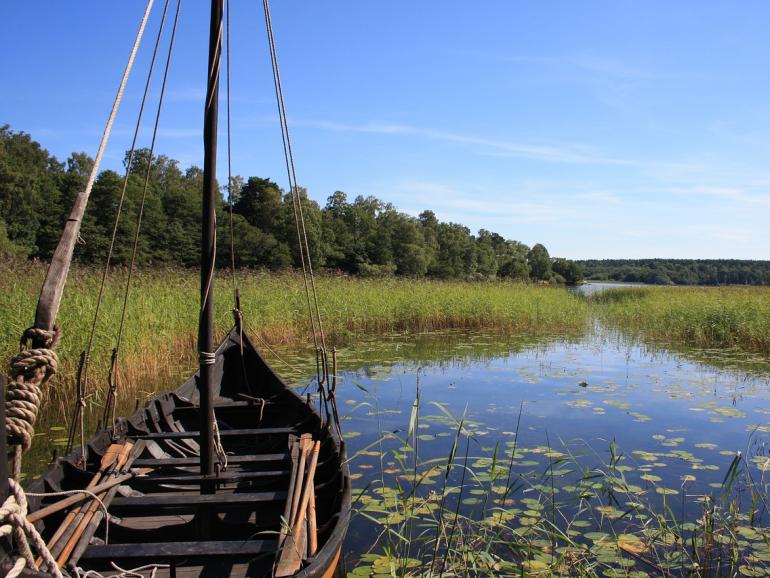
x: 182, y: 462
x: 193, y: 500
x: 223, y: 433
x: 194, y: 478
x: 168, y: 550
x: 229, y: 405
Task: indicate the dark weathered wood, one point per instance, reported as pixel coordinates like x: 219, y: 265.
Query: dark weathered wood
x: 171, y: 435
x: 85, y: 528
x: 223, y: 477
x: 229, y: 405
x: 56, y: 278
x: 167, y: 550
x: 182, y: 462
x: 72, y: 554
x: 164, y: 501
x: 72, y: 500
x: 209, y: 247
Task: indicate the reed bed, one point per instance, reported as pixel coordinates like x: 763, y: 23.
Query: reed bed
x: 161, y: 323
x: 706, y: 317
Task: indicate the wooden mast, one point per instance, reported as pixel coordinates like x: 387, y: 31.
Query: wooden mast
x: 208, y: 250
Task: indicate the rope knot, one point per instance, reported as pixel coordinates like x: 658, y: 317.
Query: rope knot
x: 48, y: 339
x: 30, y: 369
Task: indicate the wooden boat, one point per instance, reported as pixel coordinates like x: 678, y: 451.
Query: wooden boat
x: 161, y: 516
x: 231, y: 474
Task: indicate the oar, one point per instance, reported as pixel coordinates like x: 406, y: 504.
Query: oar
x: 307, y: 489
x: 77, y: 498
x: 294, y: 549
x: 81, y: 512
x: 304, y: 440
x: 311, y: 522
x: 294, y: 452
x: 108, y: 459
x: 90, y: 521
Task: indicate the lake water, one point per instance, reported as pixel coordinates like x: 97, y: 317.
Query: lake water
x: 591, y: 287
x: 673, y: 421
x: 663, y: 426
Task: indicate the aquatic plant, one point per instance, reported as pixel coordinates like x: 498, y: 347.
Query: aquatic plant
x: 159, y: 339
x: 712, y: 317
x: 565, y: 510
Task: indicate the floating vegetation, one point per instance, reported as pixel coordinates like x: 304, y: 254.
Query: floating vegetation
x: 566, y: 510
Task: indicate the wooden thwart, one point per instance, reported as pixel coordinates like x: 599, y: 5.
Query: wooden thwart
x: 168, y: 435
x: 164, y: 551
x: 194, y: 461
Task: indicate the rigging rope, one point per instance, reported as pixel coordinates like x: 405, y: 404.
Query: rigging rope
x: 32, y: 368
x: 83, y: 373
x: 319, y: 338
x: 229, y: 164
x: 148, y: 171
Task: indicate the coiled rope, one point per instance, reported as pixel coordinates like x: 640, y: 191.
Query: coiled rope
x: 30, y: 369
x: 13, y: 521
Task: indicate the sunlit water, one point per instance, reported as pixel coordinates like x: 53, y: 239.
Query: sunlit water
x: 676, y: 419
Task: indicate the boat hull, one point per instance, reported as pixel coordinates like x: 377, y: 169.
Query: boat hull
x: 226, y: 525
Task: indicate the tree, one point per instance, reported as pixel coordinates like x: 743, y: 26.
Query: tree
x: 259, y: 201
x: 539, y: 263
x: 570, y: 271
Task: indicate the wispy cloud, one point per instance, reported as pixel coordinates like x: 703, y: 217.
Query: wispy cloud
x: 574, y: 154
x: 735, y: 195
x: 461, y: 204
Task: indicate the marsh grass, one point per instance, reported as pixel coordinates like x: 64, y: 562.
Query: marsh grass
x: 546, y: 511
x: 161, y: 329
x: 708, y: 317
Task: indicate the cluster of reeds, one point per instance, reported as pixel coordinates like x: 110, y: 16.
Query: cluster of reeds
x: 161, y: 321
x: 507, y: 510
x: 711, y: 317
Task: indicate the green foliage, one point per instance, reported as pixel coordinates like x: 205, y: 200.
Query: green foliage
x: 724, y: 317
x: 679, y: 271
x: 161, y: 319
x: 539, y: 263
x: 366, y: 237
x: 570, y: 271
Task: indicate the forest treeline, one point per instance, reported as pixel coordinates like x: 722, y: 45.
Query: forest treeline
x: 362, y: 236
x: 679, y: 271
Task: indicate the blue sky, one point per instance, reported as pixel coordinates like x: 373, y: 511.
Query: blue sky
x: 600, y: 128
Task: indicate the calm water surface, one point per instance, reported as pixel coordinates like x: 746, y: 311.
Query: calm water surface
x: 676, y: 418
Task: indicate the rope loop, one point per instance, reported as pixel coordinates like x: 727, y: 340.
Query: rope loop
x: 30, y: 369
x: 13, y: 521
x: 48, y: 339
x: 207, y: 357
